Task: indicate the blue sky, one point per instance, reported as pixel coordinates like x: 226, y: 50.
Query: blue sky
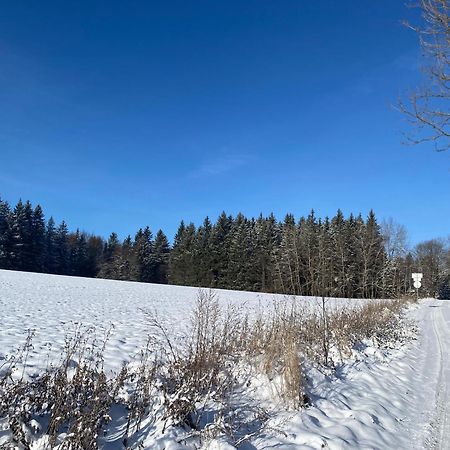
x: 115, y: 115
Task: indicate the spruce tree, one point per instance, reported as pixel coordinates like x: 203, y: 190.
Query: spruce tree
x: 241, y: 257
x: 21, y: 228
x: 94, y: 256
x: 38, y: 240
x: 202, y: 254
x: 161, y: 257
x: 128, y: 268
x: 377, y: 257
x: 339, y: 235
x: 181, y: 261
x: 288, y: 275
x: 111, y: 247
x: 330, y: 283
x: 51, y: 251
x: 308, y: 249
x: 62, y: 250
x: 5, y: 235
x: 143, y: 246
x: 78, y: 253
x: 176, y: 269
x: 220, y: 243
x: 188, y: 261
x: 111, y: 258
x: 352, y: 259
x: 266, y: 241
x: 175, y: 274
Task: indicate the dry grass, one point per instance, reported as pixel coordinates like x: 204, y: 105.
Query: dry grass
x: 200, y: 371
x: 74, y: 397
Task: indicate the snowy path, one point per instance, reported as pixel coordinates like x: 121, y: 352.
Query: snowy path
x: 429, y: 377
x: 440, y: 338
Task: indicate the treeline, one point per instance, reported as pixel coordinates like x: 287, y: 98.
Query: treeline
x: 338, y: 257
x: 29, y: 243
x: 342, y: 256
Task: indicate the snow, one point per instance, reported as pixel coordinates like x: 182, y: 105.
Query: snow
x: 398, y: 398
x: 433, y: 370
x: 380, y: 398
x: 53, y: 306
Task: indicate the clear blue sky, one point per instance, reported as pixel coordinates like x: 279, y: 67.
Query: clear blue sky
x: 119, y: 114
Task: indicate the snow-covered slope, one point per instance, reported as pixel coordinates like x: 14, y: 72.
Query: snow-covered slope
x: 53, y: 306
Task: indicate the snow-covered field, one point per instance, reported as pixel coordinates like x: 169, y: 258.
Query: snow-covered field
x: 53, y: 306
x: 378, y: 399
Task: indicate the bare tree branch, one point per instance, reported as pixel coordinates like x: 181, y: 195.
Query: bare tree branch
x: 427, y: 108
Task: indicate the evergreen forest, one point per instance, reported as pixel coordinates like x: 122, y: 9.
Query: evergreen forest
x: 341, y: 256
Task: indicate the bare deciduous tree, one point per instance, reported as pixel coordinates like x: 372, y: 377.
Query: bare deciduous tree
x: 430, y: 256
x: 428, y: 106
x: 395, y: 238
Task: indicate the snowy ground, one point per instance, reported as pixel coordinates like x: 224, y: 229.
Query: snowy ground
x: 380, y: 399
x: 53, y: 306
x: 433, y: 372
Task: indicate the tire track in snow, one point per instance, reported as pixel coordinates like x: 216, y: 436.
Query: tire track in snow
x: 441, y: 423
